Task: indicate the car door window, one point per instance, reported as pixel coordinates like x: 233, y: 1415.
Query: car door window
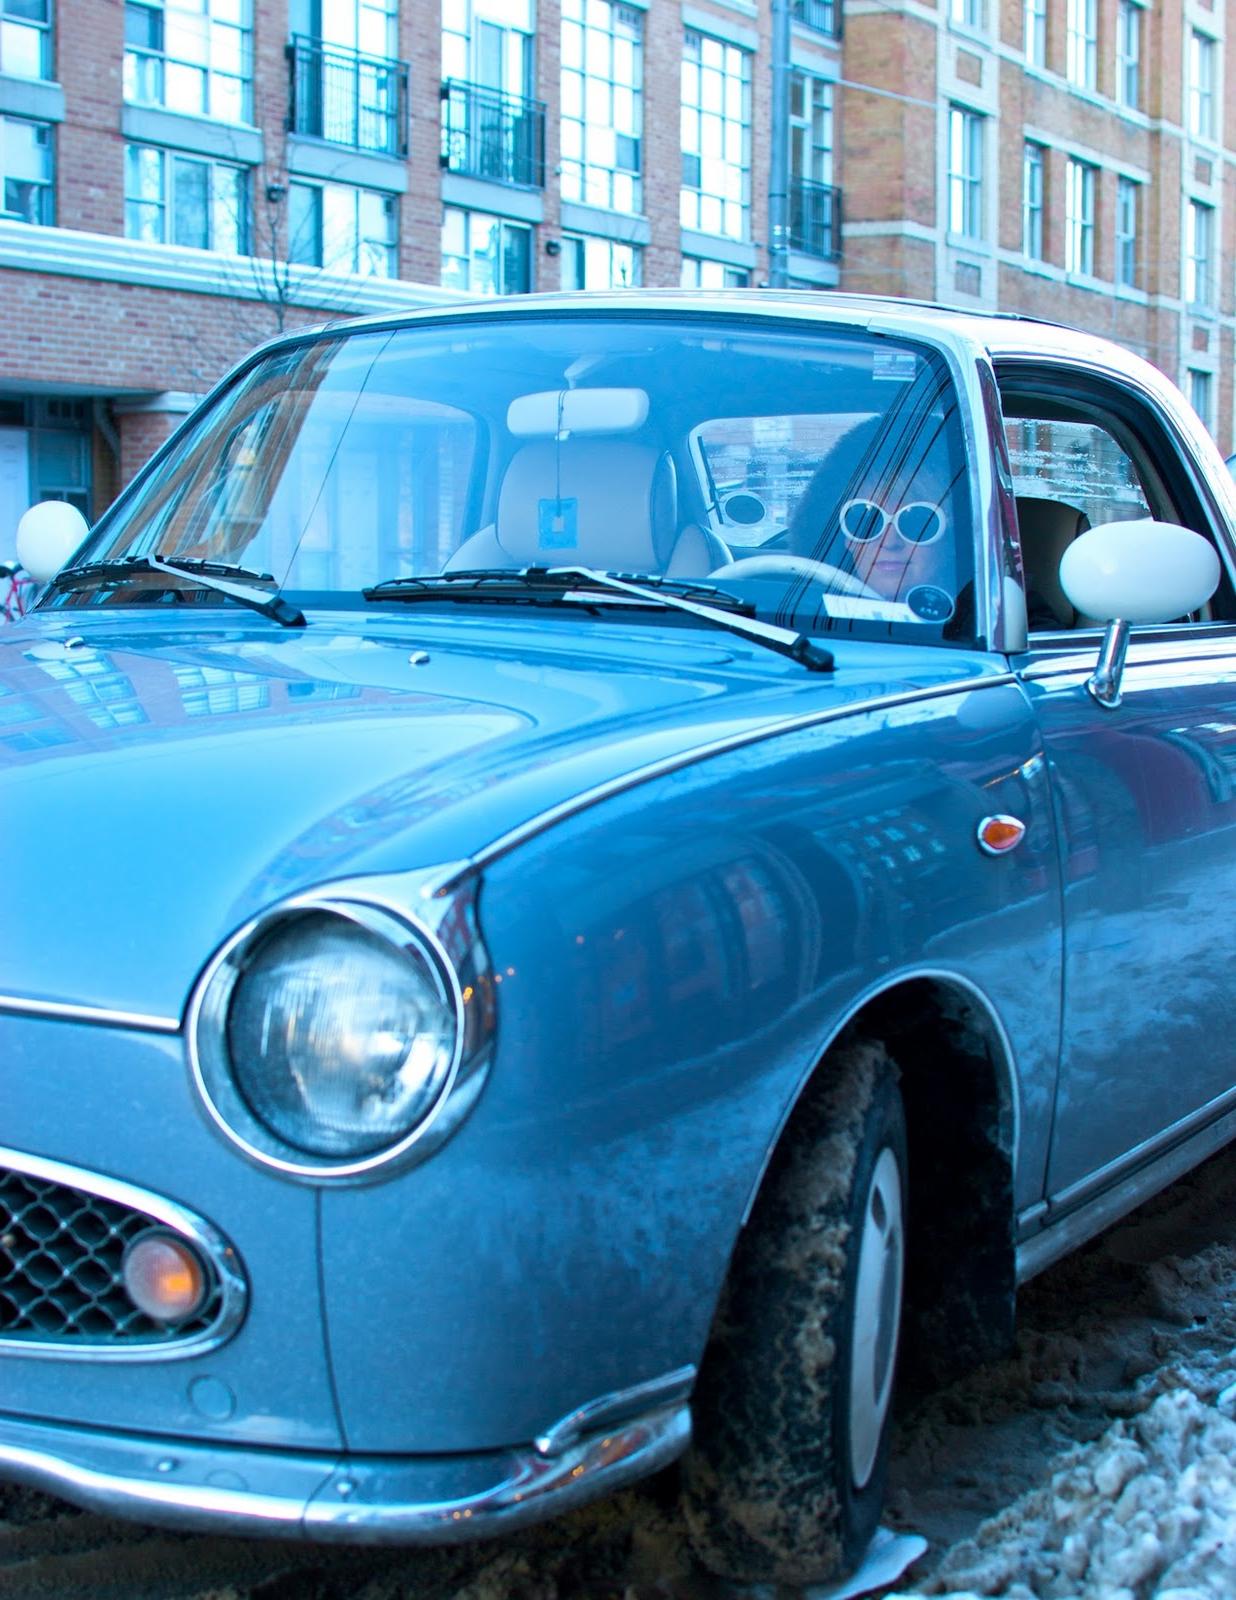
x: 1083, y: 453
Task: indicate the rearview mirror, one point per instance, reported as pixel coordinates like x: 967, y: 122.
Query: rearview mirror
x: 1142, y: 571
x: 47, y: 536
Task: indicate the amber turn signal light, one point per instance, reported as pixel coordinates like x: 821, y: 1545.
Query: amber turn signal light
x: 164, y: 1277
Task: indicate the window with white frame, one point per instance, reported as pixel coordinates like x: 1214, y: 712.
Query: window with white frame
x: 485, y: 254
x: 969, y: 13
x: 716, y: 137
x: 341, y: 228
x: 1201, y: 391
x: 965, y: 172
x: 369, y: 27
x: 194, y: 56
x: 1202, y: 54
x: 1079, y: 199
x: 26, y: 169
x: 1129, y: 54
x: 1081, y: 40
x: 1032, y: 166
x: 701, y: 274
x: 25, y: 38
x: 1199, y: 253
x: 811, y: 128
x: 170, y: 198
x: 488, y: 43
x: 593, y: 263
x: 602, y: 112
x: 1035, y: 40
x: 1127, y: 199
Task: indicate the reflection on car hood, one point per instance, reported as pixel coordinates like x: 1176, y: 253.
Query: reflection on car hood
x: 161, y: 780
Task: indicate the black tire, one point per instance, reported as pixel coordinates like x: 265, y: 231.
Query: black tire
x: 786, y: 1477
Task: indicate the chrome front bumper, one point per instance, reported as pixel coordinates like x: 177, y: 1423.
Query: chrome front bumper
x: 336, y: 1499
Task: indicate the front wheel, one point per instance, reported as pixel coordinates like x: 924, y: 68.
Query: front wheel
x: 786, y: 1480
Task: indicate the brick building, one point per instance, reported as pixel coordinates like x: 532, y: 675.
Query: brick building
x: 185, y: 177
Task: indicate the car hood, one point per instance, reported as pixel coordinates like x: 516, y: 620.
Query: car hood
x: 163, y: 780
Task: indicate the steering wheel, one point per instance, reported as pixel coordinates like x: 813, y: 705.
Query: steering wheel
x: 818, y: 573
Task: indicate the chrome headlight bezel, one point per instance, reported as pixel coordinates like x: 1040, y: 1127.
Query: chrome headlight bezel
x: 457, y: 1085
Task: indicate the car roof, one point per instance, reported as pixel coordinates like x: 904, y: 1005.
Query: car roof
x: 1001, y: 334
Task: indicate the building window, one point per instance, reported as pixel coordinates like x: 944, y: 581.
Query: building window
x: 1126, y: 233
x: 716, y: 124
x: 1036, y: 33
x: 340, y: 228
x: 815, y: 205
x: 1201, y: 386
x: 1082, y: 42
x: 178, y: 199
x: 590, y: 263
x: 484, y: 254
x: 26, y: 159
x: 347, y: 86
x: 1129, y: 54
x: 192, y: 57
x: 969, y: 13
x: 1201, y: 86
x: 700, y: 274
x: 1032, y: 200
x: 965, y: 173
x: 1079, y: 190
x: 602, y: 116
x: 824, y: 16
x: 1198, y: 254
x: 492, y: 128
x: 25, y: 38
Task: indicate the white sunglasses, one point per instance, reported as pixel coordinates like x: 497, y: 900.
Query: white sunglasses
x: 919, y: 522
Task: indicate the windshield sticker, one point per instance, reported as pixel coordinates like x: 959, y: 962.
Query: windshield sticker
x: 558, y: 524
x: 930, y: 604
x: 894, y: 366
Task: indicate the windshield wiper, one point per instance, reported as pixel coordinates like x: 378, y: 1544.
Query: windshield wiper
x: 474, y: 582
x: 217, y: 576
x: 557, y: 580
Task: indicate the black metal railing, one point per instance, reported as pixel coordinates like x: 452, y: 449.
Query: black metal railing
x: 815, y: 219
x: 347, y: 98
x: 822, y: 15
x: 488, y: 134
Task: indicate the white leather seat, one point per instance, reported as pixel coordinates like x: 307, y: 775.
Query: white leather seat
x: 590, y: 502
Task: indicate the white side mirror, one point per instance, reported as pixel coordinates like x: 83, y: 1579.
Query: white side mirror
x: 1141, y: 571
x: 47, y: 536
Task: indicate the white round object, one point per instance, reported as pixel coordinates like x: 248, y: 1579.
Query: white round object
x: 47, y: 536
x: 1142, y: 571
x: 877, y: 1316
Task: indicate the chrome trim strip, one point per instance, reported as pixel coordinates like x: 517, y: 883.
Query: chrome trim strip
x: 175, y: 1483
x: 524, y: 831
x: 102, y: 1016
x: 1087, y: 1213
x: 234, y: 1290
x: 670, y: 1389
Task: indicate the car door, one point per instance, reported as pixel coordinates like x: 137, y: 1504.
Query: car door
x: 1145, y: 792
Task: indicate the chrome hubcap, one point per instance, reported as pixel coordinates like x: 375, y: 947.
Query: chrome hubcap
x: 877, y: 1315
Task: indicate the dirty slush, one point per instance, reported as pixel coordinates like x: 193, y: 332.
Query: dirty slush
x: 1097, y: 1461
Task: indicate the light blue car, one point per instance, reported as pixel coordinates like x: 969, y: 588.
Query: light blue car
x: 511, y: 980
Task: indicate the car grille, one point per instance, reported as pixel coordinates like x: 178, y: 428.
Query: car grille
x: 61, y: 1253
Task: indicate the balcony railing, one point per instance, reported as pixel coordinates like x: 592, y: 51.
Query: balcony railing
x: 822, y: 15
x: 347, y: 98
x: 488, y: 134
x: 815, y: 219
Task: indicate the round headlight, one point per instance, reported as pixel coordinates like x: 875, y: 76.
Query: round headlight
x: 339, y: 1040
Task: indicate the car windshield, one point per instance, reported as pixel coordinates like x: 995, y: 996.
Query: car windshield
x: 815, y: 474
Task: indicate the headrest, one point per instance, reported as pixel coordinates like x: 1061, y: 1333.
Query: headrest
x: 589, y: 502
x: 1047, y: 528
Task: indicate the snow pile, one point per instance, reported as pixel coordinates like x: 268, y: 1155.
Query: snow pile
x: 1147, y: 1509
